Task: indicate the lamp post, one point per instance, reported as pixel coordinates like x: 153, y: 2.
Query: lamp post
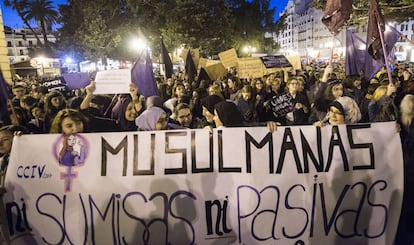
x: 137, y: 44
x: 249, y: 50
x: 41, y: 59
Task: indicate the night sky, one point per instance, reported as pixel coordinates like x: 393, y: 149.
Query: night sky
x: 11, y: 19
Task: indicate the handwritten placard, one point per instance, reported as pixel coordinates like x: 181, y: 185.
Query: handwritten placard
x: 228, y: 58
x: 113, y: 81
x: 275, y: 61
x: 251, y: 67
x: 281, y: 104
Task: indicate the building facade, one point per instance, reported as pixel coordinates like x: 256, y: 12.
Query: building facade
x: 306, y: 35
x: 20, y: 43
x: 4, y: 61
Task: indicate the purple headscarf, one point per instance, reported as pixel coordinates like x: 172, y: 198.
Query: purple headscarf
x: 149, y: 118
x: 118, y: 113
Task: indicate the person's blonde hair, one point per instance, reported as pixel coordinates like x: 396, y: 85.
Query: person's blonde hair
x: 407, y: 110
x: 215, y: 90
x: 379, y: 92
x: 245, y: 89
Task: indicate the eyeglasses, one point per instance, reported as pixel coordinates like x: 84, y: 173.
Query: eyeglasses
x: 335, y: 112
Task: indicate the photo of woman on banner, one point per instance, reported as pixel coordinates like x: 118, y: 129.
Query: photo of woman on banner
x: 73, y: 151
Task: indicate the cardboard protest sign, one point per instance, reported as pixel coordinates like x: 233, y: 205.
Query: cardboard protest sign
x: 228, y: 58
x: 295, y: 61
x: 282, y: 104
x: 298, y: 185
x: 113, y: 81
x: 275, y: 61
x: 207, y: 62
x: 251, y: 67
x: 54, y: 84
x: 195, y: 54
x: 215, y: 71
x: 76, y: 80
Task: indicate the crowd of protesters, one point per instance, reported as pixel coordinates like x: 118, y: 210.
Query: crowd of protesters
x: 320, y: 96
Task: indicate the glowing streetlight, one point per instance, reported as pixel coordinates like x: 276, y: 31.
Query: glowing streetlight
x: 137, y: 44
x: 69, y: 60
x: 249, y: 49
x: 41, y: 60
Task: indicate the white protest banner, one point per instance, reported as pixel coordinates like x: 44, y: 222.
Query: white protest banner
x: 113, y: 81
x: 298, y: 185
x: 250, y: 67
x: 228, y: 58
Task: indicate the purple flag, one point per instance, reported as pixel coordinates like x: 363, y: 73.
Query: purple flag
x: 336, y: 14
x: 355, y: 54
x: 76, y: 80
x: 142, y: 75
x: 373, y: 38
x: 5, y: 95
x: 372, y: 66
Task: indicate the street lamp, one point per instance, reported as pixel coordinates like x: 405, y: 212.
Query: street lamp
x: 249, y: 50
x: 41, y: 60
x: 137, y: 44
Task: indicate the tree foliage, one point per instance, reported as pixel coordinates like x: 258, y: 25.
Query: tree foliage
x: 104, y: 28
x: 393, y: 10
x: 44, y: 13
x: 41, y: 11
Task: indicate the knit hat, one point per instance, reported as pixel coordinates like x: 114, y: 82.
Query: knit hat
x: 229, y: 114
x: 149, y: 118
x: 210, y: 101
x: 349, y: 108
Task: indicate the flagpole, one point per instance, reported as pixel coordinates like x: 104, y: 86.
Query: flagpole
x: 332, y: 49
x: 13, y: 111
x: 384, y: 50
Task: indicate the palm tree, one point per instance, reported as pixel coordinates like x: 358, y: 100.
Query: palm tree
x: 44, y: 13
x: 20, y: 7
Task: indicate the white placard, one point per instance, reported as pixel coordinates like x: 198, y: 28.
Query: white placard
x: 113, y: 81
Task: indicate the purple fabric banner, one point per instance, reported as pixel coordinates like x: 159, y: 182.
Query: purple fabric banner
x: 76, y: 80
x: 142, y: 75
x: 336, y: 14
x: 355, y: 54
x: 373, y: 38
x: 391, y: 36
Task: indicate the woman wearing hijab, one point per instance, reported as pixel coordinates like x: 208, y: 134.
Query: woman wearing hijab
x: 226, y: 114
x: 153, y: 118
x: 208, y: 104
